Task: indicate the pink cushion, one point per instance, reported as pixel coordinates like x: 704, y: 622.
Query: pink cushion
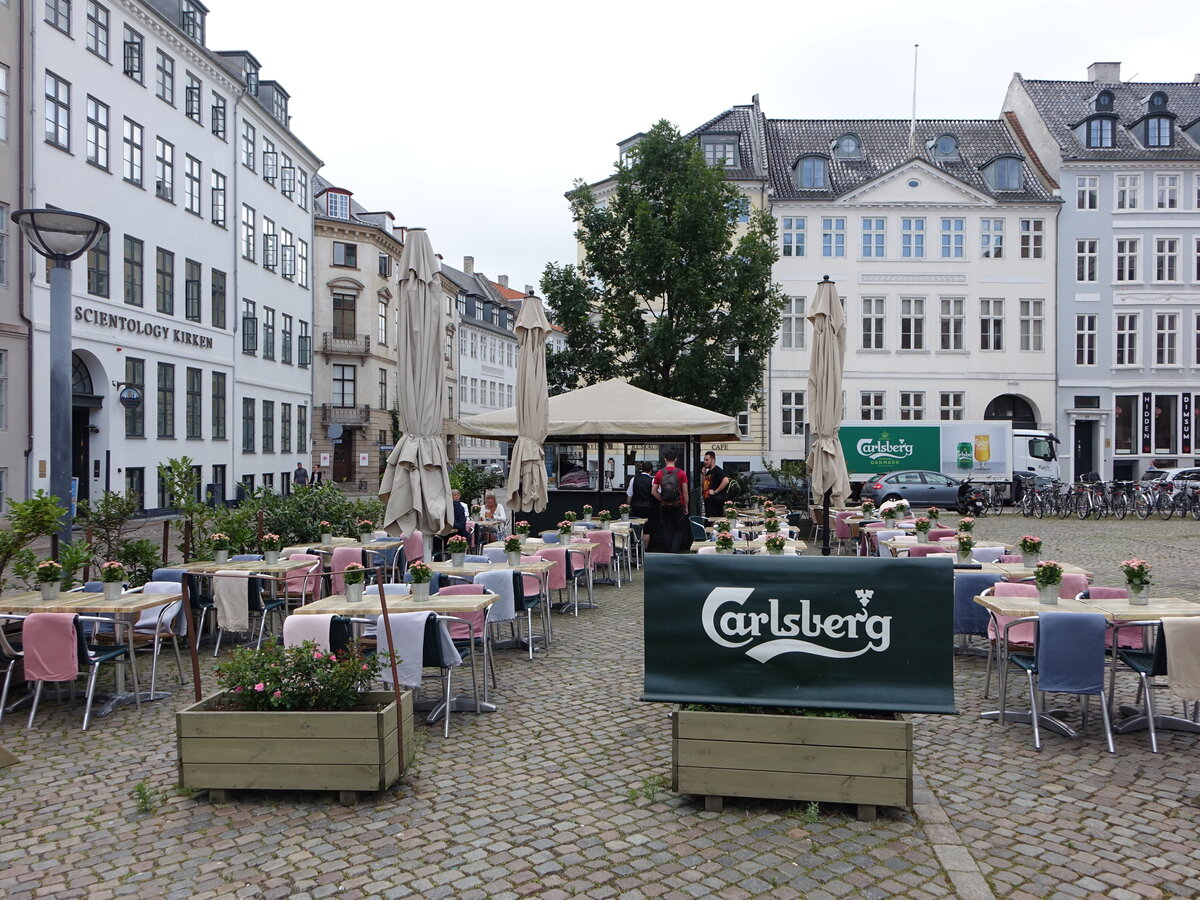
x: 459, y: 631
x: 414, y: 547
x: 936, y: 534
x: 1022, y: 634
x: 558, y: 574
x: 342, y: 556
x: 918, y: 550
x: 603, y: 554
x: 51, y: 647
x: 302, y: 581
x: 1131, y: 638
x: 1010, y: 558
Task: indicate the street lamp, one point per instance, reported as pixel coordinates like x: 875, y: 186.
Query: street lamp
x: 60, y: 236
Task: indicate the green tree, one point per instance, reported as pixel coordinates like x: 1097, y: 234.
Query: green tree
x: 671, y: 284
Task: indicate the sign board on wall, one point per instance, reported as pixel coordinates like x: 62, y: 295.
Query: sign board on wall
x: 364, y: 459
x: 324, y: 459
x: 871, y: 634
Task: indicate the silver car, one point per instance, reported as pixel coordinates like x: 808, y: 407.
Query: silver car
x: 920, y: 487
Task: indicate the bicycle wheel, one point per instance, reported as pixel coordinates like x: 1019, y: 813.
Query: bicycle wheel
x: 1038, y: 506
x: 1165, y: 507
x: 1102, y: 505
x: 1083, y: 505
x: 1196, y: 507
x: 1141, y: 505
x: 1120, y: 506
x: 1027, y: 504
x: 1065, y: 505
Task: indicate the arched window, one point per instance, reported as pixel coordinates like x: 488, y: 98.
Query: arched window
x: 1004, y: 174
x: 1100, y: 132
x: 1010, y: 407
x: 1104, y: 101
x: 945, y: 147
x: 81, y: 376
x: 848, y: 146
x: 811, y: 173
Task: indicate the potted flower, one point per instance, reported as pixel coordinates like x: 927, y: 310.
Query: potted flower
x: 868, y: 507
x: 934, y: 514
x: 624, y: 510
x: 49, y: 578
x: 457, y: 545
x: 112, y: 576
x: 421, y: 576
x: 605, y: 517
x: 724, y: 542
x: 587, y: 512
x: 521, y: 528
x: 326, y: 532
x: 1048, y: 575
x: 722, y: 525
x: 966, y: 523
x: 966, y: 543
x: 771, y: 525
x: 1030, y: 546
x: 512, y: 549
x: 220, y: 543
x: 730, y: 511
x: 295, y: 718
x: 922, y: 525
x: 565, y: 526
x: 366, y: 531
x: 1137, y: 576
x: 889, y: 512
x: 271, y: 545
x: 775, y: 544
x: 570, y: 515
x: 354, y: 575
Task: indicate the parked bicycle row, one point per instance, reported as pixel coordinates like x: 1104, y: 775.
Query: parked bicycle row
x: 1084, y: 499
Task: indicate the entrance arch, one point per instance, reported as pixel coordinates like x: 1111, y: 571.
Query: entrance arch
x: 86, y: 372
x: 1011, y: 408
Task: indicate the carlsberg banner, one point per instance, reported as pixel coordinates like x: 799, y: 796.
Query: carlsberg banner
x: 854, y: 633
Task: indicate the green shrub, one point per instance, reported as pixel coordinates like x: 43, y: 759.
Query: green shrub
x: 294, y: 678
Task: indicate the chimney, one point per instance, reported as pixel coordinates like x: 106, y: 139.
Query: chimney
x: 528, y: 289
x: 1196, y: 80
x: 1105, y: 72
x: 469, y: 265
x: 502, y: 280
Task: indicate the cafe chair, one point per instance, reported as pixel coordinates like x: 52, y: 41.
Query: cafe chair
x: 303, y: 586
x: 422, y: 640
x: 604, y: 552
x: 936, y: 534
x: 158, y: 622
x: 1068, y: 658
x: 919, y: 551
x: 477, y: 558
x: 550, y: 537
x: 505, y: 584
x: 495, y: 554
x: 55, y: 651
x: 1010, y: 558
x: 414, y: 548
x: 971, y: 619
x: 563, y: 574
x: 705, y: 550
x: 330, y: 633
x: 1147, y: 665
x: 471, y: 628
x: 1020, y: 637
x: 527, y: 597
x: 246, y: 557
x: 698, y: 531
x: 876, y: 537
x: 233, y: 588
x: 10, y: 655
x: 342, y: 557
x: 1131, y: 639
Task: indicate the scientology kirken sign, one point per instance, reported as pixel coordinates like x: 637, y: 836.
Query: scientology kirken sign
x: 851, y: 633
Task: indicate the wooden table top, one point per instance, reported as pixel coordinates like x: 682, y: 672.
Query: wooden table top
x: 750, y: 545
x: 1019, y: 607
x: 358, y: 545
x: 84, y: 602
x: 208, y: 567
x: 1121, y: 610
x: 528, y: 547
x: 1019, y: 570
x: 469, y: 569
x: 338, y: 605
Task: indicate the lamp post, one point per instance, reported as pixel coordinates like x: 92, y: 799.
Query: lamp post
x: 61, y: 237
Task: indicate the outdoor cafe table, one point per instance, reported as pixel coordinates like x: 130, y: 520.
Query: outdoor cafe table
x: 208, y: 567
x: 1017, y: 571
x: 585, y: 547
x: 381, y: 544
x: 798, y: 546
x: 123, y: 609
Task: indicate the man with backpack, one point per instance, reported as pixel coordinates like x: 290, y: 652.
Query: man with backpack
x: 670, y: 490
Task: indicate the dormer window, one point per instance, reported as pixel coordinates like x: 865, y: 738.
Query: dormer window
x: 1100, y: 132
x: 812, y: 173
x: 1004, y: 174
x: 1157, y: 101
x: 720, y: 150
x: 191, y: 20
x: 337, y: 205
x: 945, y: 148
x: 1158, y: 131
x: 1104, y: 101
x: 848, y: 146
x: 250, y: 73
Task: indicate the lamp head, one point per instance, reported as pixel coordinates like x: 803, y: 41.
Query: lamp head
x: 58, y: 234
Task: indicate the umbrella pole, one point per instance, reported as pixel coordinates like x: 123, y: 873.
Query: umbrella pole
x: 387, y: 627
x: 825, y: 549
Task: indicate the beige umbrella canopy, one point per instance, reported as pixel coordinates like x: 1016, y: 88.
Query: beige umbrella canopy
x: 826, y: 464
x: 527, y: 487
x: 415, y: 486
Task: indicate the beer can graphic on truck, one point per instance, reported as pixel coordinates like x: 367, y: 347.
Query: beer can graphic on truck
x: 966, y: 455
x: 983, y: 450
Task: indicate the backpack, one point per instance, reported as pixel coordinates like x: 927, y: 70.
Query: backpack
x: 668, y: 488
x: 733, y: 491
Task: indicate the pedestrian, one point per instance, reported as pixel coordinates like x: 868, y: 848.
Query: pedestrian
x: 318, y: 477
x: 300, y: 476
x: 715, y: 484
x: 670, y: 490
x: 641, y: 500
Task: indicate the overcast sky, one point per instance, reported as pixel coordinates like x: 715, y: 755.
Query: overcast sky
x: 472, y: 119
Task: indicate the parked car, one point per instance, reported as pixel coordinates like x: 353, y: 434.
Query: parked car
x: 920, y: 487
x: 768, y: 485
x: 1171, y: 475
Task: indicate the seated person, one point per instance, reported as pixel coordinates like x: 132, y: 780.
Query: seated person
x: 493, y: 518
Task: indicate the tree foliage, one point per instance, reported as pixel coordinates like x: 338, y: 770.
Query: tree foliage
x: 670, y: 283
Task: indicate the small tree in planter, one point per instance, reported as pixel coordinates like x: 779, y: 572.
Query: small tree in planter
x: 457, y: 545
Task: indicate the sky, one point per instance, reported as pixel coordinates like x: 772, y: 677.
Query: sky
x: 472, y: 119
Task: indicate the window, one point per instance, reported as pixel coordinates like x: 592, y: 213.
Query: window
x: 791, y: 324
x: 287, y: 255
x: 134, y: 53
x: 945, y: 148
x: 1166, y: 339
x: 1196, y: 348
x: 345, y: 254
x: 912, y: 405
x: 249, y: 327
x: 135, y: 417
x: 810, y: 173
x: 344, y: 315
x: 97, y: 267
x: 270, y: 245
x: 1033, y: 234
x: 912, y: 238
x: 268, y: 337
x: 1158, y: 132
x: 249, y: 148
x: 385, y: 266
x: 191, y: 20
x: 1085, y: 340
x: 285, y: 428
x: 58, y: 14
x: 191, y: 290
x: 951, y: 405
x: 1100, y: 133
x: 1166, y: 259
x: 217, y: 116
x: 268, y: 428
x: 743, y: 424
x: 191, y: 99
x: 218, y: 406
x: 1129, y: 189
x: 164, y: 82
x: 871, y: 405
x: 303, y: 347
x: 912, y: 323
x: 248, y: 232
x: 343, y: 385
x: 872, y: 323
x: 135, y: 485
x: 383, y: 391
x: 720, y: 151
x: 1004, y: 174
x: 3, y: 407
x: 134, y: 253
x: 1127, y: 258
x: 58, y: 111
x: 952, y: 238
x: 991, y: 238
x: 991, y: 324
x: 97, y: 133
x: 1087, y: 192
x: 337, y: 205
x: 302, y: 262
x: 302, y: 429
x: 791, y: 412
x: 1087, y: 253
x: 302, y: 189
x: 248, y: 425
x: 191, y: 184
x: 791, y: 230
x: 217, y: 181
x: 848, y: 147
x: 874, y: 238
x: 383, y: 322
x: 1032, y: 317
x: 1165, y: 420
x: 97, y: 29
x: 833, y: 237
x: 164, y: 170
x: 166, y: 400
x: 1166, y: 191
x: 3, y: 103
x: 285, y: 343
x: 1126, y: 345
x: 270, y: 161
x: 164, y: 281
x: 474, y: 390
x: 287, y: 177
x: 953, y: 322
x: 192, y: 401
x: 217, y: 298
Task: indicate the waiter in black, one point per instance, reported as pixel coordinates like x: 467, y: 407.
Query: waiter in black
x: 715, y: 484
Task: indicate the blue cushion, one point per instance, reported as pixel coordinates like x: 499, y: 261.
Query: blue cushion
x: 1070, y: 652
x: 969, y: 616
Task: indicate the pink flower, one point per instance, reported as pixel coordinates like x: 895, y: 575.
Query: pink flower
x: 364, y: 667
x: 260, y: 687
x: 238, y: 689
x: 317, y: 655
x: 277, y: 694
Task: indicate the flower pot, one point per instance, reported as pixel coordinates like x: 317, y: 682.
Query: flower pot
x: 1137, y: 594
x: 725, y: 551
x: 624, y: 517
x: 112, y: 589
x: 221, y: 556
x: 604, y: 525
x: 1029, y: 560
x: 458, y: 559
x: 420, y: 591
x: 963, y: 556
x: 326, y: 537
x: 587, y: 517
x: 49, y: 590
x: 270, y: 557
x: 922, y: 537
x: 514, y: 559
x: 771, y: 552
x: 890, y: 521
x: 354, y: 592
x: 366, y: 537
x: 1048, y: 594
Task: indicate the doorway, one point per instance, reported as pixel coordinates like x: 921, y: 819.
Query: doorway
x: 343, y: 456
x: 81, y: 444
x: 1084, y: 452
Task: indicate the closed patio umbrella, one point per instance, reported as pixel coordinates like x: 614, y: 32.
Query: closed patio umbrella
x: 527, y: 487
x: 415, y: 486
x: 826, y: 464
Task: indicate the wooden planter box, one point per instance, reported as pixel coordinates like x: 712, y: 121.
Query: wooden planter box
x: 866, y: 762
x: 346, y: 752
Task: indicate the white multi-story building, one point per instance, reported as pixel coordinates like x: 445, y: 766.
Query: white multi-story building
x: 200, y: 297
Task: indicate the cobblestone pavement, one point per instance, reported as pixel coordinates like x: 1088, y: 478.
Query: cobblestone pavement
x: 560, y: 793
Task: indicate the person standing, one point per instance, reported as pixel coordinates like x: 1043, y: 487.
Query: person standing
x: 670, y: 490
x: 300, y: 476
x: 641, y: 500
x: 715, y: 484
x: 318, y: 477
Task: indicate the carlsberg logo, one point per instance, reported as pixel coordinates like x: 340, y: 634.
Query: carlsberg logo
x: 728, y: 625
x: 883, y: 448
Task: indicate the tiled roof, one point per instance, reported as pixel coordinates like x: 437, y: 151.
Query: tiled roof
x: 1063, y: 104
x: 740, y: 121
x: 885, y: 146
x: 506, y: 292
